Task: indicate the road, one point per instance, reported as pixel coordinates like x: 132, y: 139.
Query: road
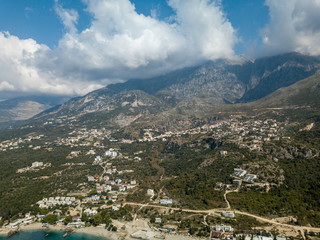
x: 103, y: 172
x: 219, y: 210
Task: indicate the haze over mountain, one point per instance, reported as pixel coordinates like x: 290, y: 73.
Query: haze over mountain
x: 191, y: 91
x: 18, y: 109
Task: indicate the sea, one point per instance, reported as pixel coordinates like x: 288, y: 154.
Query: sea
x: 49, y: 235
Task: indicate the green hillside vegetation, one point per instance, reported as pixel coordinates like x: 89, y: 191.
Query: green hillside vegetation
x: 298, y: 196
x: 305, y: 93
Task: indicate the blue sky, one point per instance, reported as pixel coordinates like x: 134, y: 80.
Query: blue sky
x: 38, y: 20
x: 71, y: 47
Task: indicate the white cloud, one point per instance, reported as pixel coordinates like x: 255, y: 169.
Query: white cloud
x: 205, y: 28
x: 20, y: 74
x: 294, y: 26
x: 69, y: 17
x: 119, y: 44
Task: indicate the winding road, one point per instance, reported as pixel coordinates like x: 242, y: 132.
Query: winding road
x: 215, y: 211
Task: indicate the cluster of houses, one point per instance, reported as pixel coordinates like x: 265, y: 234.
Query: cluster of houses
x: 21, y: 221
x: 56, y: 201
x: 84, y: 137
x: 226, y: 232
x: 107, y: 187
x: 18, y: 143
x: 249, y: 134
x: 110, y: 154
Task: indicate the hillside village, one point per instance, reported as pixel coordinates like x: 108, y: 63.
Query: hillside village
x: 251, y: 133
x: 105, y: 194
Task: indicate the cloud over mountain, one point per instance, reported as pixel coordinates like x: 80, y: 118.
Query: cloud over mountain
x: 119, y: 44
x: 294, y: 26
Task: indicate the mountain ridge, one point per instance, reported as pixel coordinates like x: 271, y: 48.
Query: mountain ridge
x: 189, y: 92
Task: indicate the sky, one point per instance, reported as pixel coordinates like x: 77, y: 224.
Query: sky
x: 71, y: 47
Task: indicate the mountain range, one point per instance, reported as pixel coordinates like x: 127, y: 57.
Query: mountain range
x: 191, y: 92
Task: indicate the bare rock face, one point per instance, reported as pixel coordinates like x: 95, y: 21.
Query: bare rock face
x: 189, y: 92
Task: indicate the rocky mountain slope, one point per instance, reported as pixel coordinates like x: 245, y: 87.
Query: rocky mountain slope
x: 188, y: 92
x: 23, y: 108
x: 305, y: 93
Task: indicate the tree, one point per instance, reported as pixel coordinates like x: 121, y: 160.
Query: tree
x: 97, y: 219
x: 107, y: 219
x: 51, y: 219
x: 93, y: 192
x: 84, y: 217
x: 67, y: 220
x: 193, y: 230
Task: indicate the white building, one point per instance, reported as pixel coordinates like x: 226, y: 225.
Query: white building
x: 239, y: 172
x: 91, y: 152
x: 166, y: 201
x: 116, y: 207
x: 150, y: 192
x: 112, y: 154
x: 250, y: 178
x: 228, y: 214
x: 91, y: 179
x: 90, y: 212
x: 223, y: 228
x: 223, y: 153
x: 37, y: 164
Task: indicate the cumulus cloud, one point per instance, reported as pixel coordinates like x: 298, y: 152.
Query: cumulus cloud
x: 119, y: 44
x: 20, y: 73
x: 294, y: 26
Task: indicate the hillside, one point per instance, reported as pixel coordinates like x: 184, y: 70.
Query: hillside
x: 23, y: 108
x: 191, y: 92
x: 305, y: 93
x: 183, y: 136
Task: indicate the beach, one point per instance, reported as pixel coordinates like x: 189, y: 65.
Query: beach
x: 125, y: 230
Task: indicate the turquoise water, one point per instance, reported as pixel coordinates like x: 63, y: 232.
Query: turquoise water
x: 49, y: 235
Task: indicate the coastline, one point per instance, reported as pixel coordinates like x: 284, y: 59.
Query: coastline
x: 94, y: 231
x: 99, y: 231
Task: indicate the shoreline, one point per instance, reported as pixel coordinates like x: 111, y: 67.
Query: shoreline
x: 101, y: 232
x: 93, y: 231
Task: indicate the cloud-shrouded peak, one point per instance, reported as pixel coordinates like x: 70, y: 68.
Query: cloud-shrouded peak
x: 205, y: 27
x: 294, y: 26
x: 119, y: 44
